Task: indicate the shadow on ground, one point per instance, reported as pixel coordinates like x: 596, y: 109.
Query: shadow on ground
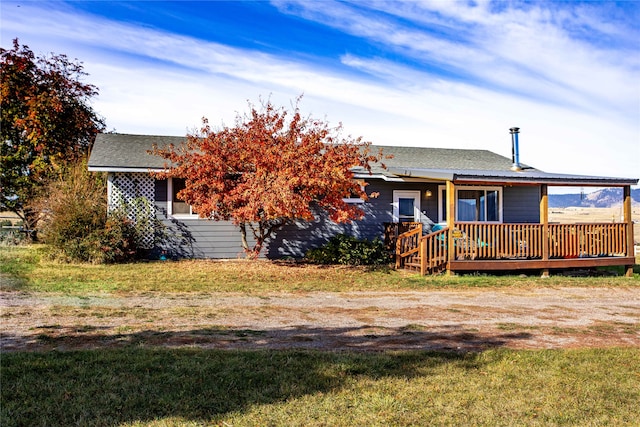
x: 137, y: 384
x: 361, y: 338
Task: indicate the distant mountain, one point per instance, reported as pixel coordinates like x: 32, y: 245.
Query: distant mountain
x: 606, y: 198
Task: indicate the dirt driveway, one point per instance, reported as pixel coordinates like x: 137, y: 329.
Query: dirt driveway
x: 449, y: 320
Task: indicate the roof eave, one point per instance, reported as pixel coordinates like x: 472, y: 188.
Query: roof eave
x: 510, y: 177
x: 124, y: 169
x: 571, y: 182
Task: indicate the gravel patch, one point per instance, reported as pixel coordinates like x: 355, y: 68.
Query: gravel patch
x: 467, y: 320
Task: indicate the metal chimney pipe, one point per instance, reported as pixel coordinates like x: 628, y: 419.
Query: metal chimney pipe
x: 515, y: 149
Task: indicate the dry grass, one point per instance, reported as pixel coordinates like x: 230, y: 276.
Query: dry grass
x: 25, y: 269
x: 141, y: 382
x: 573, y: 215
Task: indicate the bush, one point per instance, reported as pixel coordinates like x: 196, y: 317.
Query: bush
x: 348, y: 250
x: 75, y: 224
x: 116, y: 242
x: 73, y: 206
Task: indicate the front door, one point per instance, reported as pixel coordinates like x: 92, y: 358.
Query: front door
x: 406, y: 206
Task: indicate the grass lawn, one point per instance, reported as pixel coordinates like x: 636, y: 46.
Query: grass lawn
x: 189, y: 387
x: 158, y: 386
x: 31, y: 272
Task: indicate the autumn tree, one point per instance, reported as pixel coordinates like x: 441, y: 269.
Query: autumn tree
x: 273, y: 167
x: 46, y: 121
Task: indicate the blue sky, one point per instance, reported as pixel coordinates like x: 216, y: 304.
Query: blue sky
x: 433, y: 73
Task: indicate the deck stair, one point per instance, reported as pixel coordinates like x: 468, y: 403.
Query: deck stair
x: 425, y: 254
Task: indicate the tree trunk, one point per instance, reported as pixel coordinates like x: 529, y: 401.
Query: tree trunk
x: 29, y: 221
x: 255, y: 252
x: 243, y: 232
x: 261, y: 233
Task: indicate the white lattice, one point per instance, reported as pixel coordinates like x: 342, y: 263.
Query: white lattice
x: 128, y: 191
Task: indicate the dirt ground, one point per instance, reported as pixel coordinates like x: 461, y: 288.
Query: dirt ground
x: 459, y: 320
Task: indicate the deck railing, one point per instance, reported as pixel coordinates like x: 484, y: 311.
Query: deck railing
x: 393, y: 229
x: 408, y: 247
x: 587, y: 240
x: 507, y: 241
x: 433, y: 251
x: 477, y: 241
x: 498, y: 241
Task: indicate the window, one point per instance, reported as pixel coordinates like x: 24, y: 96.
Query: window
x: 354, y: 197
x: 177, y: 206
x: 406, y: 206
x: 473, y: 204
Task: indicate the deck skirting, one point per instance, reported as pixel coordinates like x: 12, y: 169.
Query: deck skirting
x: 537, y: 264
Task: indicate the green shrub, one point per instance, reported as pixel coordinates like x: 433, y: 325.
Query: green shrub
x: 75, y: 224
x: 73, y: 206
x: 116, y: 242
x: 348, y: 250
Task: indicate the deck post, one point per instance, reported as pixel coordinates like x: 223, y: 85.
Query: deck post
x: 544, y: 220
x: 451, y: 217
x: 629, y: 221
x: 423, y: 256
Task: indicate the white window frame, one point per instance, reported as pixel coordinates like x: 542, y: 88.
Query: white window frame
x: 353, y: 200
x: 406, y: 194
x: 170, y: 203
x: 442, y: 200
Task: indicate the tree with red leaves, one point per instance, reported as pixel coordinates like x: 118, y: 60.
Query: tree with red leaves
x: 271, y: 168
x: 46, y: 121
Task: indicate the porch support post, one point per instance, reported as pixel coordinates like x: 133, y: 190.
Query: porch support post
x: 544, y: 221
x: 423, y: 256
x: 451, y: 217
x: 629, y: 221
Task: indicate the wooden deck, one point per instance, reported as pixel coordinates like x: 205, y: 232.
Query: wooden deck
x: 498, y: 247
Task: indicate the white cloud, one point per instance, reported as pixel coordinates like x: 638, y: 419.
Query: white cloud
x: 157, y: 82
x: 524, y: 51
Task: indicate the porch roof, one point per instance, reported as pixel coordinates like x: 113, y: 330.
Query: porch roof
x: 525, y: 176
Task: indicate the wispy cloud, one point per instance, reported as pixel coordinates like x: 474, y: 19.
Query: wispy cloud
x: 532, y: 50
x: 427, y: 73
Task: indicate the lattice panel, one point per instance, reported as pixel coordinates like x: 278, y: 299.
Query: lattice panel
x: 127, y: 189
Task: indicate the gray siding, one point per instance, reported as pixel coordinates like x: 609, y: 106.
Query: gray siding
x: 294, y: 240
x: 200, y: 238
x: 521, y: 204
x: 196, y: 237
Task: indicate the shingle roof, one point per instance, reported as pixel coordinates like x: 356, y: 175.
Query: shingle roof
x: 112, y: 150
x: 441, y: 158
x: 123, y: 152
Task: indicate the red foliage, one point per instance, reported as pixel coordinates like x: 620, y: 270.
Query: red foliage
x: 46, y: 120
x: 272, y: 167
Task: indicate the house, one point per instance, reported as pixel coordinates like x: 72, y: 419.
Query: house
x: 443, y: 209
